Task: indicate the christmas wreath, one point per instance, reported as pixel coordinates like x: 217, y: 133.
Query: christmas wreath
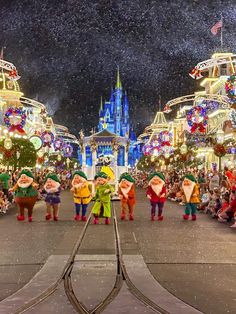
x: 219, y: 150
x: 58, y: 144
x: 15, y: 119
x: 197, y: 119
x: 164, y: 138
x: 47, y: 138
x: 67, y: 150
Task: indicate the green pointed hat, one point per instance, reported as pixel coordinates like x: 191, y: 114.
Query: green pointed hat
x: 190, y: 177
x: 126, y: 176
x: 81, y: 174
x: 53, y: 177
x: 101, y: 175
x: 27, y: 172
x: 156, y: 174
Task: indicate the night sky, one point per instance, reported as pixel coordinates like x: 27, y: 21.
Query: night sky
x: 67, y: 52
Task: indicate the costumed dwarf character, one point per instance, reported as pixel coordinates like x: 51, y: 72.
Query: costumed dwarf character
x: 25, y: 194
x: 191, y: 196
x: 102, y: 206
x: 82, y: 194
x: 156, y: 192
x: 52, y: 191
x: 126, y: 193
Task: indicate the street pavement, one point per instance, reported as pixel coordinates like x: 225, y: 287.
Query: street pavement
x: 195, y: 261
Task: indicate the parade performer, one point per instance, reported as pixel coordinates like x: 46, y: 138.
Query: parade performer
x: 191, y: 196
x: 82, y: 194
x: 51, y: 192
x: 102, y: 206
x: 126, y: 193
x: 25, y: 194
x: 156, y: 192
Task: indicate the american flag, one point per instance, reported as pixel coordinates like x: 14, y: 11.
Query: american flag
x: 216, y: 27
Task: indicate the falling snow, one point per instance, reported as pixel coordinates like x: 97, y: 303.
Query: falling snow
x: 67, y: 52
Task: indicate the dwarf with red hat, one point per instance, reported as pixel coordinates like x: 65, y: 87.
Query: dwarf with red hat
x: 126, y: 193
x: 26, y: 194
x: 156, y: 192
x: 191, y: 196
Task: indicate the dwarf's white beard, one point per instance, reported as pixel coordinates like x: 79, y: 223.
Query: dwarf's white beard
x: 125, y: 191
x: 25, y: 185
x: 157, y: 188
x: 188, y: 190
x: 52, y: 190
x: 78, y: 186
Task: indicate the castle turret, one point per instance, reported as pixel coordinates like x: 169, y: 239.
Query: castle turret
x: 101, y: 120
x: 125, y: 119
x: 118, y: 104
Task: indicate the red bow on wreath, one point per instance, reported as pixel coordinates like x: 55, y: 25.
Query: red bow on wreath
x: 198, y: 126
x: 17, y: 128
x: 165, y: 143
x: 46, y: 144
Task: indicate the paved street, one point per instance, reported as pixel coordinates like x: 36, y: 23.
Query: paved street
x: 193, y: 260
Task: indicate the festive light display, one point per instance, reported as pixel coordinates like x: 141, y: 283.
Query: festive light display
x: 230, y: 90
x: 15, y: 119
x: 197, y: 119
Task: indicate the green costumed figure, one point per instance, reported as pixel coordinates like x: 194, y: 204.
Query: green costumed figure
x: 102, y: 206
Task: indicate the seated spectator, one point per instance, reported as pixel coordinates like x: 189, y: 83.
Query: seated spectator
x: 204, y: 200
x: 230, y: 211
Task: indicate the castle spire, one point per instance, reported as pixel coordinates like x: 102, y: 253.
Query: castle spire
x: 101, y: 105
x: 118, y: 81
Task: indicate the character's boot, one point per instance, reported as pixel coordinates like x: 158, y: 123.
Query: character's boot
x: 30, y: 219
x: 20, y: 218
x: 48, y: 217
x: 107, y: 221
x: 84, y: 218
x: 194, y: 217
x: 122, y: 216
x: 95, y: 221
x: 131, y: 217
x: 152, y: 217
x: 160, y: 218
x: 77, y: 217
x: 55, y: 218
x: 185, y: 216
x: 233, y: 226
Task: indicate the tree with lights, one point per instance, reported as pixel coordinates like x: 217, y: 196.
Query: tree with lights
x: 20, y: 154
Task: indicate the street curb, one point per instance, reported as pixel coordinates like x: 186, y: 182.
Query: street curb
x: 41, y: 285
x: 143, y: 280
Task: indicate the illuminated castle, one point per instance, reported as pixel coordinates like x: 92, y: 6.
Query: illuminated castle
x: 114, y: 114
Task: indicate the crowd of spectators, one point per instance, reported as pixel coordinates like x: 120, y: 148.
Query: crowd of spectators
x: 217, y: 190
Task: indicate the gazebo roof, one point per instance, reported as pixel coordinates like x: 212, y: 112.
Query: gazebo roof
x: 105, y: 137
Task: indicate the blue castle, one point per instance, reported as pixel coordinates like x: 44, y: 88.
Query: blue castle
x: 114, y: 114
x: 113, y: 125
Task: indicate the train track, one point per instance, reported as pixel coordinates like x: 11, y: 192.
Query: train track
x: 121, y: 277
